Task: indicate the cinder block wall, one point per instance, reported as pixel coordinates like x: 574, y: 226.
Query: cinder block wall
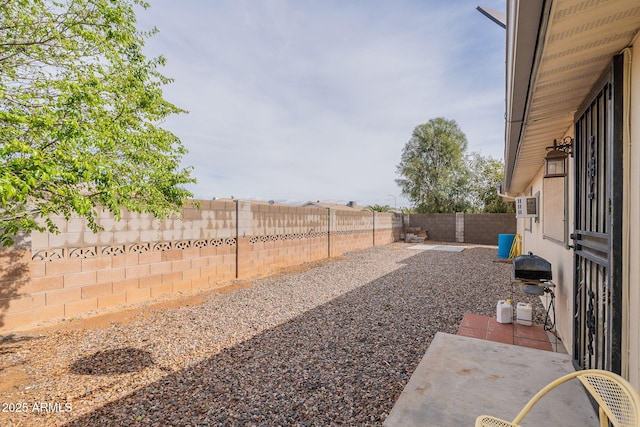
x: 272, y: 237
x: 440, y: 227
x: 351, y: 231
x: 140, y: 257
x: 54, y: 276
x: 388, y: 228
x: 485, y: 228
x: 132, y: 260
x: 476, y: 228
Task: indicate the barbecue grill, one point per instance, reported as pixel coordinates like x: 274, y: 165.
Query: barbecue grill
x: 534, y: 274
x: 531, y: 268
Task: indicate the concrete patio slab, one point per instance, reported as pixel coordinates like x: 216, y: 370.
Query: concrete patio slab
x: 460, y: 378
x: 444, y: 248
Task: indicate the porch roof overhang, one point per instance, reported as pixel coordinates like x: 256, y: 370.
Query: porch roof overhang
x: 556, y: 52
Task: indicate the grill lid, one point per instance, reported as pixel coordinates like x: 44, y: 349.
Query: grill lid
x: 531, y: 267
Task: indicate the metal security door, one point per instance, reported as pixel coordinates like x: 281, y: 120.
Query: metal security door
x: 598, y: 220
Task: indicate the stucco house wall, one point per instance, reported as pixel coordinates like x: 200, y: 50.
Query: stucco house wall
x: 558, y: 254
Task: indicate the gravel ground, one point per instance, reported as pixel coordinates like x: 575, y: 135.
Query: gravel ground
x: 332, y: 345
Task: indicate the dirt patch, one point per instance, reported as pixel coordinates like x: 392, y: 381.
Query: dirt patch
x: 12, y: 378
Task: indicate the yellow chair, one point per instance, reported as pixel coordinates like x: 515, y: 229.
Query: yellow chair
x: 618, y: 400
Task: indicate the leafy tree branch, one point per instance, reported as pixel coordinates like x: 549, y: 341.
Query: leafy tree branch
x: 80, y: 107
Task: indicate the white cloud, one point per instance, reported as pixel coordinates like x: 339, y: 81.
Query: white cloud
x: 315, y: 100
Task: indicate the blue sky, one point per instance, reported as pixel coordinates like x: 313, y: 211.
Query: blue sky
x: 314, y: 99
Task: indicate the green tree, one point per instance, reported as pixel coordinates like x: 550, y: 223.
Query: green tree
x: 80, y: 107
x: 434, y: 174
x: 487, y: 173
x: 379, y: 208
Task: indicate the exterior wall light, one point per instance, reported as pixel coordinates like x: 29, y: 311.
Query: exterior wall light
x: 555, y: 160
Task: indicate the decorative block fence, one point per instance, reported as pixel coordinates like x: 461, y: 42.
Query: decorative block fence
x: 55, y: 276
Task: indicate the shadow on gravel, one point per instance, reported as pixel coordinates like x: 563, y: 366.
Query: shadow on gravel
x: 11, y: 343
x: 345, y: 362
x: 118, y: 361
x: 15, y: 338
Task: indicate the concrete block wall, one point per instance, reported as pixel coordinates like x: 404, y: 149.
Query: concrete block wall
x: 460, y: 224
x: 440, y: 227
x: 351, y: 231
x: 132, y: 260
x: 484, y: 228
x: 279, y: 236
x: 140, y: 257
x: 388, y: 228
x: 464, y: 227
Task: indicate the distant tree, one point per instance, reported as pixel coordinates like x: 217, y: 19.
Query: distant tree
x: 487, y: 173
x: 379, y: 208
x: 434, y: 174
x: 79, y: 111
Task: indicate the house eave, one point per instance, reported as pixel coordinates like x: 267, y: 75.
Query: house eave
x: 523, y: 27
x: 556, y: 52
